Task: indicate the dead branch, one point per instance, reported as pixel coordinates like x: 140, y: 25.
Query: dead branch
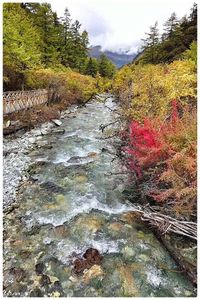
x: 167, y: 224
x: 102, y: 127
x: 113, y: 110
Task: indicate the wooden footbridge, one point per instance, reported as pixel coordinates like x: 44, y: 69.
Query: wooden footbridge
x: 19, y: 100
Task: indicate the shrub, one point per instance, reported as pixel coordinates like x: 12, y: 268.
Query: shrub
x: 149, y: 89
x: 172, y: 144
x: 67, y: 86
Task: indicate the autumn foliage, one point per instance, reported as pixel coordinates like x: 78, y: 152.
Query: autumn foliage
x: 160, y: 141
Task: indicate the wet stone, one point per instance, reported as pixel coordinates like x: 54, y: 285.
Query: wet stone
x: 90, y: 258
x: 36, y: 293
x: 61, y: 231
x: 74, y: 159
x: 24, y: 254
x: 58, y: 131
x: 39, y: 268
x: 51, y: 187
x: 45, y: 280
x: 93, y: 272
x: 19, y: 273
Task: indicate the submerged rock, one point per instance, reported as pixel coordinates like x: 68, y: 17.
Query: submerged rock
x: 61, y: 231
x: 93, y: 272
x: 80, y: 265
x: 51, y: 187
x: 19, y: 274
x: 115, y: 226
x: 45, y: 280
x: 128, y: 282
x: 86, y: 225
x: 39, y: 268
x: 81, y: 179
x: 92, y: 154
x: 44, y: 144
x: 74, y: 159
x: 90, y: 258
x: 128, y: 252
x: 130, y: 217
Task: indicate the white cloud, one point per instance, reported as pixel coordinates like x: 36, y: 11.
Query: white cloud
x: 121, y: 24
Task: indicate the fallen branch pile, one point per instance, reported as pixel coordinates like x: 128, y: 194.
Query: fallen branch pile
x: 166, y: 224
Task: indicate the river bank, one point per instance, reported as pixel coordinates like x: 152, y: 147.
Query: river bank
x: 68, y: 204
x: 16, y: 160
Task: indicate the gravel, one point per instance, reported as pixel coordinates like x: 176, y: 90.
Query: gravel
x: 16, y: 160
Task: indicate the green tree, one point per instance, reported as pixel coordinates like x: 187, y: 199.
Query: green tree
x: 106, y: 67
x: 91, y: 67
x: 151, y: 45
x: 20, y: 44
x: 170, y: 26
x: 80, y: 47
x: 47, y: 23
x: 67, y: 42
x: 192, y: 52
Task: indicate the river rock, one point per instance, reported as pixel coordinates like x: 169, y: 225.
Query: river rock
x: 92, y: 154
x: 44, y: 131
x: 57, y: 122
x: 92, y: 256
x: 7, y: 124
x: 61, y: 231
x: 44, y: 144
x: 128, y: 252
x: 58, y: 130
x: 128, y: 283
x: 74, y: 159
x: 93, y: 272
x: 36, y: 132
x: 39, y: 268
x: 51, y: 187
x: 130, y: 217
x: 115, y: 226
x: 87, y: 225
x: 19, y: 274
x: 32, y: 140
x: 45, y: 280
x: 55, y: 294
x: 81, y: 179
x: 80, y: 265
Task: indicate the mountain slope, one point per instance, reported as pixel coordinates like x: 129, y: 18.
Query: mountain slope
x: 119, y: 59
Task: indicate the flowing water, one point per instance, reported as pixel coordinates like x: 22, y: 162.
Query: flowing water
x: 72, y: 204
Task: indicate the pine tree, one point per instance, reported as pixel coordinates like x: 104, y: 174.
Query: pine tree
x: 67, y: 43
x: 170, y: 26
x: 151, y: 45
x: 21, y: 45
x: 91, y: 67
x: 47, y: 23
x: 106, y: 67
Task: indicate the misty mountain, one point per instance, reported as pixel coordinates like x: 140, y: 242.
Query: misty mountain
x: 119, y: 59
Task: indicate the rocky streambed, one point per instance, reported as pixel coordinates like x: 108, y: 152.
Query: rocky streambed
x: 68, y: 228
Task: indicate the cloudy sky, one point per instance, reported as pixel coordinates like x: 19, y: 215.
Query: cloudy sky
x: 120, y: 24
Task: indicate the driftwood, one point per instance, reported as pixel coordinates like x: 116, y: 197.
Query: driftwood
x: 102, y: 127
x: 166, y: 224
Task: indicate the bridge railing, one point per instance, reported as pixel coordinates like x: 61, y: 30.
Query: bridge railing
x: 19, y: 100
